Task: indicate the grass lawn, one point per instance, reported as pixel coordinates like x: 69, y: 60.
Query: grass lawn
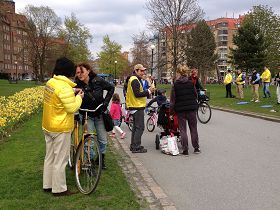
x: 7, y: 89
x: 21, y: 169
x: 218, y: 93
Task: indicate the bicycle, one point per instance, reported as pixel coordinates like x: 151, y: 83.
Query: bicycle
x: 85, y: 155
x: 152, y: 120
x: 127, y: 118
x: 204, y: 111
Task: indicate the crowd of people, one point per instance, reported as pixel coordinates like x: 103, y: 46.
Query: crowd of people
x: 256, y: 80
x: 74, y: 86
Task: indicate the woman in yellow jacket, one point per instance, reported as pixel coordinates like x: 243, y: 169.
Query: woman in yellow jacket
x: 227, y: 82
x: 60, y: 103
x: 266, y: 78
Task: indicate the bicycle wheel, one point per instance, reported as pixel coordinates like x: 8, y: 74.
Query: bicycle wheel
x: 130, y: 122
x: 150, y: 124
x: 88, y: 165
x: 204, y: 112
x: 157, y: 141
x: 72, y: 153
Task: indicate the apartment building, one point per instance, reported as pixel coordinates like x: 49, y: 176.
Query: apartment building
x: 223, y: 30
x: 13, y: 37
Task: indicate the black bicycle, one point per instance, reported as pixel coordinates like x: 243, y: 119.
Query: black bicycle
x: 204, y: 111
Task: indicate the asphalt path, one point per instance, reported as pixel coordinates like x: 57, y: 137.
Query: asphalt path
x: 238, y: 168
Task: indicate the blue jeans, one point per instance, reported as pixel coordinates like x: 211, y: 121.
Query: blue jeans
x: 96, y: 123
x: 266, y: 89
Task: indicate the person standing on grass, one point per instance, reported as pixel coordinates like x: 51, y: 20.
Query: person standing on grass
x: 94, y: 88
x: 266, y: 78
x: 277, y: 79
x: 136, y: 103
x: 227, y: 82
x: 116, y: 113
x: 183, y: 101
x: 240, y: 82
x: 255, y: 81
x: 60, y: 104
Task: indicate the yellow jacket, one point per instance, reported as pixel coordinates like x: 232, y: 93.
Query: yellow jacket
x: 228, y: 79
x: 240, y: 80
x: 266, y: 75
x: 131, y: 101
x: 59, y: 105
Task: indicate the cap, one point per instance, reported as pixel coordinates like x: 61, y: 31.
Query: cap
x: 139, y: 67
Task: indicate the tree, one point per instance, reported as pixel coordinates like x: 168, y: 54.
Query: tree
x: 140, y: 50
x: 111, y: 52
x: 76, y: 36
x: 168, y: 18
x: 268, y: 22
x: 42, y: 27
x: 200, y: 50
x: 250, y: 48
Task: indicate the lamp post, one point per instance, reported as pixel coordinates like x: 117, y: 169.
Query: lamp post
x: 152, y: 47
x: 115, y: 80
x: 16, y: 72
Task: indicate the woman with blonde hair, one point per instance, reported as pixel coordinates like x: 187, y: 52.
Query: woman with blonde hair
x: 183, y: 101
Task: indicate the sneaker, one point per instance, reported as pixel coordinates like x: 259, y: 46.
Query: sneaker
x: 257, y: 101
x: 197, y: 151
x: 123, y: 135
x: 185, y: 152
x: 47, y: 189
x: 252, y: 100
x: 139, y: 150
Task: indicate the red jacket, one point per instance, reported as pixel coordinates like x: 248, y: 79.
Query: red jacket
x: 115, y: 111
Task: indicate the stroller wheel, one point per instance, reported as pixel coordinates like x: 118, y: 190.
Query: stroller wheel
x: 157, y: 141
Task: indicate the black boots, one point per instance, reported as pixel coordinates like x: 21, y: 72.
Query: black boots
x: 103, y: 162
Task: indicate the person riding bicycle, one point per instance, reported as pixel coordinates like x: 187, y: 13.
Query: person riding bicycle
x: 198, y: 86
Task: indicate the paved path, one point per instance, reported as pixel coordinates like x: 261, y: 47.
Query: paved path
x: 237, y: 169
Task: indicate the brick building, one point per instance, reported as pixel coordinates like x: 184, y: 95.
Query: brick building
x: 13, y: 37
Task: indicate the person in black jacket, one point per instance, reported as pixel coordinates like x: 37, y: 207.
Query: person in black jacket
x: 93, y: 87
x: 183, y: 101
x: 160, y: 98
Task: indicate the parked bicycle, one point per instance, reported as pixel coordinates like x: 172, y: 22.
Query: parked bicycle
x: 85, y: 155
x: 204, y: 111
x: 152, y: 120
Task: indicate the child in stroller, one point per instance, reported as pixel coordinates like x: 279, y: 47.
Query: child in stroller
x: 167, y: 123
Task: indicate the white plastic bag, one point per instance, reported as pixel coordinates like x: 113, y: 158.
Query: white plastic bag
x: 172, y: 145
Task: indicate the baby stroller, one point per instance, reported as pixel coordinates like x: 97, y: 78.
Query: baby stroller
x: 169, y: 125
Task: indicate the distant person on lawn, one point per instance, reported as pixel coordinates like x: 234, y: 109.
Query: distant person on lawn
x: 266, y: 78
x: 227, y: 82
x: 277, y: 79
x: 240, y: 82
x: 59, y: 106
x: 255, y: 81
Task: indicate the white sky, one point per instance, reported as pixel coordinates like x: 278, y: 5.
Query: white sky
x: 121, y: 19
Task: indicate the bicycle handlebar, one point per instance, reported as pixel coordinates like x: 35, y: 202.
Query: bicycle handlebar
x: 94, y: 110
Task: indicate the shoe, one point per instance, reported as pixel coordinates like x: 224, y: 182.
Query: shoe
x: 252, y: 100
x: 264, y: 97
x: 185, y: 152
x: 130, y: 148
x: 123, y: 135
x: 65, y: 193
x: 139, y: 150
x: 257, y: 101
x: 104, y: 167
x: 47, y: 190
x: 197, y: 151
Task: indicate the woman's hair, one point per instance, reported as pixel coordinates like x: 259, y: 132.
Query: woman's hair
x: 182, y: 70
x: 87, y: 67
x: 116, y: 98
x: 65, y: 67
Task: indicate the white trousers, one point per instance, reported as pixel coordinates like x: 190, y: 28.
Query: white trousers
x: 57, y: 155
x: 278, y: 93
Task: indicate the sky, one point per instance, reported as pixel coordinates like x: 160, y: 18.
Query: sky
x: 121, y: 19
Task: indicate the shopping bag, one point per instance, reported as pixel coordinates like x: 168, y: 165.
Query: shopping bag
x: 172, y: 145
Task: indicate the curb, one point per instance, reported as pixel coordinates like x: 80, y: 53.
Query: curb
x: 249, y: 114
x: 150, y: 194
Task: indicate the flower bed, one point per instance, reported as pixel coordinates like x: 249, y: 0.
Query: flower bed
x: 19, y: 107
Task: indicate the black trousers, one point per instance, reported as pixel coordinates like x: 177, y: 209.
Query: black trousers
x: 228, y: 90
x: 138, y: 129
